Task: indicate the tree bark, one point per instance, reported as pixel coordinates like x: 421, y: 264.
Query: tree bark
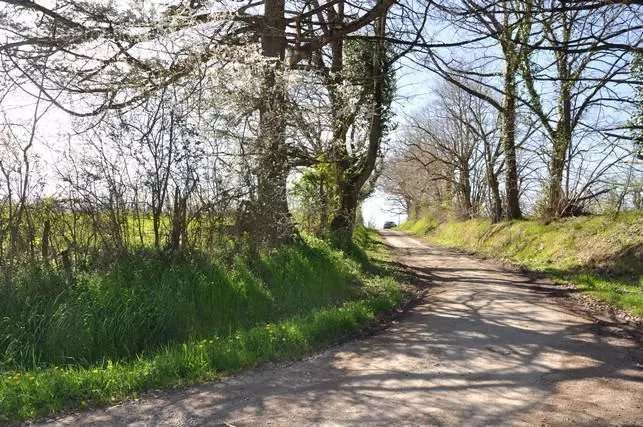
x: 562, y: 140
x: 496, y: 201
x: 464, y: 189
x: 555, y: 199
x: 492, y: 183
x: 509, y: 142
x: 343, y: 222
x: 179, y: 224
x: 272, y: 221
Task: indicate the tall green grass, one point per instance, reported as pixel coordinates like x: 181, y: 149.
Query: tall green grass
x: 601, y: 255
x: 151, y: 322
x: 146, y: 300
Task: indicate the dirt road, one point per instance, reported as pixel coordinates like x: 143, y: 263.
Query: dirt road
x: 486, y: 347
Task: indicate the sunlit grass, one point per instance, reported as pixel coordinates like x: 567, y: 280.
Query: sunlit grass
x: 152, y: 323
x: 598, y: 254
x: 420, y: 226
x: 28, y: 394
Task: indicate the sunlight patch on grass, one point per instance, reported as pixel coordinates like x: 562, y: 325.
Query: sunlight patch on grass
x: 24, y: 395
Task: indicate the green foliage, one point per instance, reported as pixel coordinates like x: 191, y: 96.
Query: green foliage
x: 32, y: 393
x: 316, y: 198
x: 602, y: 255
x: 420, y: 226
x: 146, y: 300
x: 153, y: 322
x: 366, y: 246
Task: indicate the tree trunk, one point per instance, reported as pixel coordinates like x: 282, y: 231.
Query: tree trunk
x: 492, y: 183
x: 637, y: 198
x: 343, y: 222
x: 323, y: 208
x: 179, y: 222
x: 509, y: 143
x: 271, y: 218
x: 555, y: 199
x: 156, y: 225
x: 351, y: 178
x: 496, y: 201
x: 465, y: 184
x: 562, y: 140
x: 44, y: 245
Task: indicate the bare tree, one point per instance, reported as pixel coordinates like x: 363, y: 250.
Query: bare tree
x: 449, y: 136
x: 583, y: 80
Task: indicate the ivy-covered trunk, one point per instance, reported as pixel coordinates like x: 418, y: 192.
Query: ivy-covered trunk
x: 556, y: 202
x: 353, y: 171
x: 562, y: 139
x: 465, y: 183
x: 495, y: 201
x: 343, y: 222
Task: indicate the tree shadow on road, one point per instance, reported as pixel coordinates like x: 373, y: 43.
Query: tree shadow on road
x: 487, y: 348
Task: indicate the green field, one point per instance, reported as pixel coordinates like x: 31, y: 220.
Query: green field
x: 601, y: 255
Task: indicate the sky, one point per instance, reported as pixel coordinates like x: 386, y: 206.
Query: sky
x: 377, y: 209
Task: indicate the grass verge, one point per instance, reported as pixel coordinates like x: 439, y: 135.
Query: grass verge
x: 25, y: 394
x: 600, y: 255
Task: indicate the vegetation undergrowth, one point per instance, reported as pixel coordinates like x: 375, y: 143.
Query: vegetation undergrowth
x: 152, y: 323
x: 601, y: 255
